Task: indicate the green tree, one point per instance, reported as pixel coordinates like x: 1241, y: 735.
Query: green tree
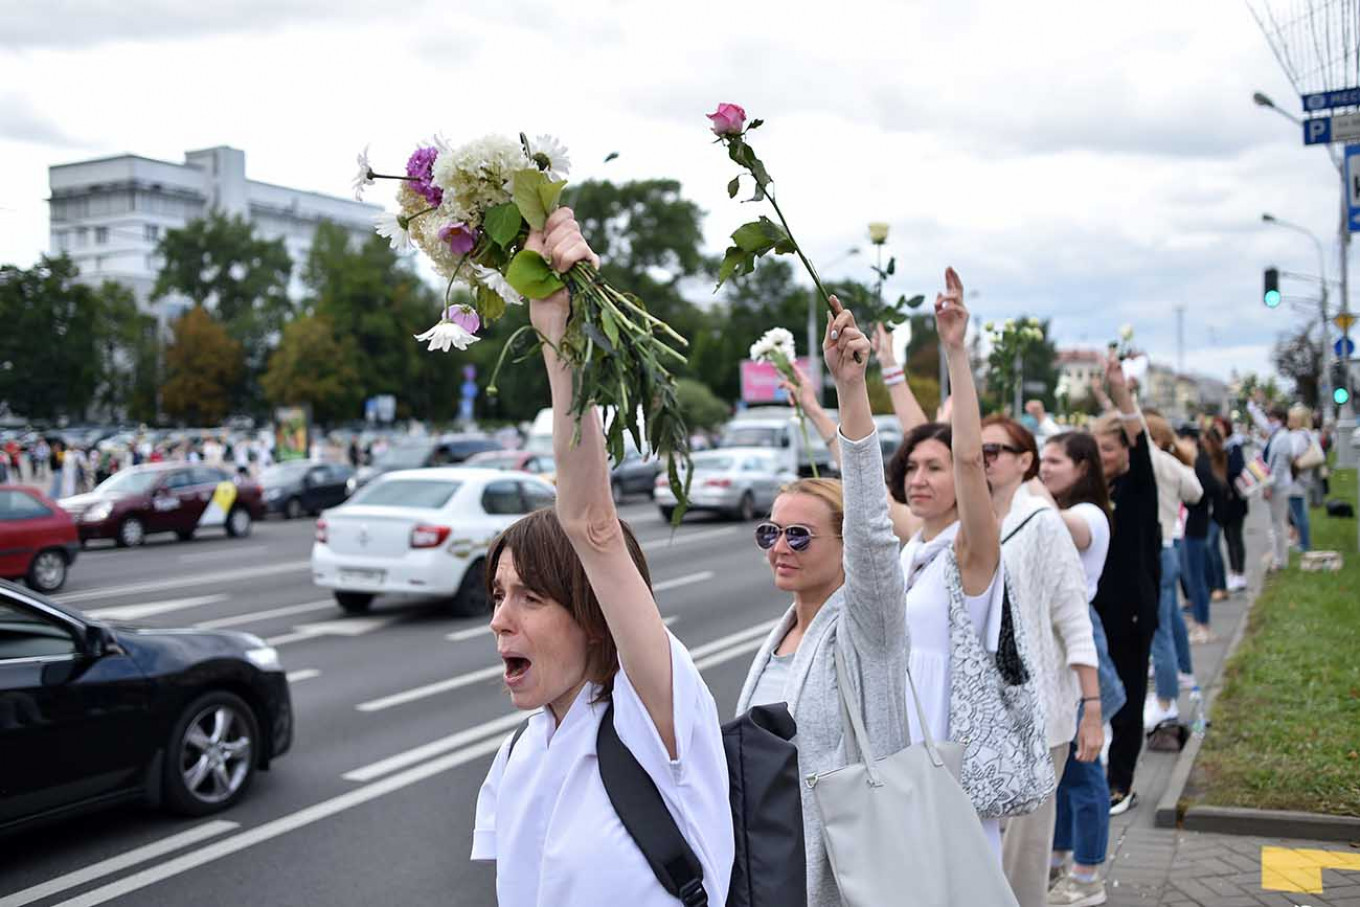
x: 49, y: 349
x: 1038, y: 363
x: 312, y: 365
x: 128, y: 348
x: 700, y: 407
x: 219, y: 263
x: 203, y: 367
x: 1299, y: 359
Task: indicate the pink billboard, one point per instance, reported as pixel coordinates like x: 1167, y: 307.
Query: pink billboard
x: 760, y: 381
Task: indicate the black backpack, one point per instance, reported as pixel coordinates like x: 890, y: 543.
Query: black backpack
x: 769, y: 866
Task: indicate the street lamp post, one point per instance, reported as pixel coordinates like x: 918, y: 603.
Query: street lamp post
x: 1323, y: 389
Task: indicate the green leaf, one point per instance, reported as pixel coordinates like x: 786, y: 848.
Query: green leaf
x: 530, y: 275
x: 892, y: 266
x: 525, y: 186
x: 755, y: 124
x: 735, y: 263
x: 760, y: 236
x: 502, y: 223
x: 595, y: 334
x: 734, y: 187
x: 490, y: 306
x: 611, y: 327
x: 915, y: 301
x: 549, y: 193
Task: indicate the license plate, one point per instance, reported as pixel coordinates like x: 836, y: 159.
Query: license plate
x: 363, y: 577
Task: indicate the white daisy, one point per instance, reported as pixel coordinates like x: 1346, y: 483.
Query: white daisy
x: 446, y: 334
x: 493, y: 281
x: 365, y: 175
x: 554, y: 152
x: 389, y: 227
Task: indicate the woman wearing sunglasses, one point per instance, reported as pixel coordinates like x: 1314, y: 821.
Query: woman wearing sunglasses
x: 581, y: 638
x: 955, y: 558
x: 833, y: 549
x: 1048, y: 586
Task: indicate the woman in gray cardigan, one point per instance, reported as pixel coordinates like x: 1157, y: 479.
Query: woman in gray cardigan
x: 840, y: 563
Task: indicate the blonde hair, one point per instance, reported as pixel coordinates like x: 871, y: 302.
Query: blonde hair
x: 1163, y: 437
x: 1300, y: 416
x: 828, y: 491
x: 1110, y: 424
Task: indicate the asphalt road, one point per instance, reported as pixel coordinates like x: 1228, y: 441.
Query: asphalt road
x: 398, y: 715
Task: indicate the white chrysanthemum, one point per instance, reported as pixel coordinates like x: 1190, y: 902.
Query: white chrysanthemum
x: 474, y: 176
x: 389, y: 228
x: 1034, y: 322
x: 493, y: 281
x: 1008, y: 324
x: 775, y: 340
x: 559, y: 163
x: 364, y: 177
x: 446, y: 334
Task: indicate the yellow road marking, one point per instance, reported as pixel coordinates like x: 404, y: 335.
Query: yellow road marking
x: 1286, y: 869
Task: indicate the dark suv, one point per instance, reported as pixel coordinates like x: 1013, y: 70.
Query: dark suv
x: 415, y: 453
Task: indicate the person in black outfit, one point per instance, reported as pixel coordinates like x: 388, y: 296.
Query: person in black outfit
x: 1197, y: 541
x: 1126, y: 598
x: 1230, y: 511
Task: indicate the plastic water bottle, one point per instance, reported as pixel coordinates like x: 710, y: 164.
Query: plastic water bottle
x: 1197, y: 720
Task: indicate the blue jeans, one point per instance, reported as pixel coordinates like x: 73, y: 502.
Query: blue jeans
x: 1215, y: 575
x: 1083, y: 825
x: 1171, y: 644
x: 1196, y: 577
x: 1298, y: 514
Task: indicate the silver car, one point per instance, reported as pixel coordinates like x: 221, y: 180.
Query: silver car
x: 738, y: 482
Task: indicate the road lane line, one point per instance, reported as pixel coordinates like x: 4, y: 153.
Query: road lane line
x: 703, y: 664
x: 287, y: 611
x: 117, y: 864
x: 137, y: 612
x: 199, y: 579
x: 708, y: 648
x: 281, y: 826
x: 303, y: 674
x: 288, y: 638
x: 431, y: 689
x: 436, y: 747
x: 214, y: 555
x: 668, y: 542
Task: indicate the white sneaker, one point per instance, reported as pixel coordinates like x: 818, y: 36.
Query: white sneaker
x: 1154, y: 714
x: 1071, y: 893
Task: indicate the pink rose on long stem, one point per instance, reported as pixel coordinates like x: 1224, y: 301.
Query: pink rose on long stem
x: 728, y: 119
x: 460, y: 238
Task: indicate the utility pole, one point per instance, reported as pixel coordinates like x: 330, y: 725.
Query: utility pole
x: 1180, y: 339
x: 1345, y: 417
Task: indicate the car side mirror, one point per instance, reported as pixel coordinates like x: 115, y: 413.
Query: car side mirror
x: 97, y: 640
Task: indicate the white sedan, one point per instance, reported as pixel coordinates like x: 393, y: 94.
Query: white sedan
x: 421, y: 532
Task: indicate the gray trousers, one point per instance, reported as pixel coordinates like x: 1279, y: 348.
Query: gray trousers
x: 1279, y: 528
x: 1027, y: 843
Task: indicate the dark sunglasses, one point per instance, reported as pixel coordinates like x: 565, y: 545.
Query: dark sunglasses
x: 991, y: 451
x: 799, y: 537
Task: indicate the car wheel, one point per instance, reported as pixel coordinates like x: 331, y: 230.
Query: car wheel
x: 616, y: 492
x: 211, y: 754
x: 667, y: 513
x: 238, y: 523
x: 293, y: 509
x: 185, y: 535
x: 471, y: 598
x: 131, y: 533
x: 746, y: 510
x: 353, y: 602
x: 47, y: 573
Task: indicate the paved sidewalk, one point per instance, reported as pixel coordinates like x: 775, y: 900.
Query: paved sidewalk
x: 1176, y: 868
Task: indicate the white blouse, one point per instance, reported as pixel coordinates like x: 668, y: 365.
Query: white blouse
x: 546, y: 819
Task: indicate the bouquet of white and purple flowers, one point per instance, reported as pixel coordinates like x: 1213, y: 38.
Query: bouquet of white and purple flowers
x: 470, y: 210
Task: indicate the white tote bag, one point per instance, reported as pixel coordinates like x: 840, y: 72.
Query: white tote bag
x: 900, y: 829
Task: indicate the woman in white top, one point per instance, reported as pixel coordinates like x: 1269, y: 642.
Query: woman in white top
x: 833, y: 549
x: 579, y: 632
x: 1048, y: 587
x: 955, y: 558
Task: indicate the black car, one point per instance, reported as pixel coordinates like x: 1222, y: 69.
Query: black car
x: 305, y: 486
x: 416, y: 453
x: 93, y: 714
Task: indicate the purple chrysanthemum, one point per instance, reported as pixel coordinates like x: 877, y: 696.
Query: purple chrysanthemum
x: 420, y: 166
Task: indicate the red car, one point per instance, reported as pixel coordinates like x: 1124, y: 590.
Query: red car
x: 38, y: 540
x: 165, y: 497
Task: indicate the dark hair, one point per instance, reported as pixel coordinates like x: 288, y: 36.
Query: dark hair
x: 1020, y: 437
x: 547, y: 564
x: 897, y: 466
x: 1089, y: 488
x: 1278, y: 412
x: 1212, y: 443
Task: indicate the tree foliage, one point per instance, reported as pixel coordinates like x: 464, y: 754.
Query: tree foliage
x: 1299, y: 359
x: 204, y: 365
x: 313, y: 366
x: 700, y: 406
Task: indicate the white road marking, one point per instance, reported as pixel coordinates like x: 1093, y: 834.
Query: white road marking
x: 431, y: 689
x: 676, y: 541
x: 286, y: 611
x: 198, y: 579
x: 287, y: 638
x: 703, y: 664
x: 281, y: 826
x: 137, y: 612
x: 117, y: 864
x: 226, y: 552
x: 354, y: 626
x: 722, y: 642
x: 436, y: 747
x: 303, y: 674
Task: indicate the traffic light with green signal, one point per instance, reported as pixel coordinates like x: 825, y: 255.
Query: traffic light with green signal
x: 1341, y: 384
x: 1272, y: 292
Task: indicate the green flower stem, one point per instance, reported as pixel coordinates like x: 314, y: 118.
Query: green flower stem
x: 500, y: 360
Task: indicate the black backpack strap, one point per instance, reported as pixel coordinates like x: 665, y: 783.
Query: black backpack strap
x: 514, y: 738
x: 642, y: 811
x: 1033, y: 513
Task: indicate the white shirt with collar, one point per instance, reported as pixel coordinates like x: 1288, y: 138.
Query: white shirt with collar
x: 546, y: 819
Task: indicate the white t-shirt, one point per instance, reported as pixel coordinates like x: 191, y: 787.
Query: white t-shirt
x: 1093, y: 558
x: 546, y: 819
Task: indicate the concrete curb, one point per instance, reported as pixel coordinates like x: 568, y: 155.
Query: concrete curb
x: 1233, y: 820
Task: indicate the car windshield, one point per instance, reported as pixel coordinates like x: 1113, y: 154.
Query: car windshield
x: 712, y: 464
x: 404, y: 456
x: 130, y: 482
x: 752, y: 436
x: 427, y: 493
x: 283, y: 472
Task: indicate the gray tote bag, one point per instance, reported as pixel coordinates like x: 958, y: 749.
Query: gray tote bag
x: 900, y: 830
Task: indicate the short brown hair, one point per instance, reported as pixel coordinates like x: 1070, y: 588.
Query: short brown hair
x: 547, y: 564
x: 897, y: 466
x: 1020, y: 437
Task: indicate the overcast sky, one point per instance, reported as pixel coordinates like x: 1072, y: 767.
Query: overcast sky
x: 1090, y: 162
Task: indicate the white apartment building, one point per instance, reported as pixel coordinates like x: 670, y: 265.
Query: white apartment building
x: 108, y: 214
x: 1076, y: 368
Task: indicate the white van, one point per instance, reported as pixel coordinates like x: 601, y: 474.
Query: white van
x: 776, y: 428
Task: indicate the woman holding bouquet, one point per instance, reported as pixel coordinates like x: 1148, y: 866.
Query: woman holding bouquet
x: 581, y: 638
